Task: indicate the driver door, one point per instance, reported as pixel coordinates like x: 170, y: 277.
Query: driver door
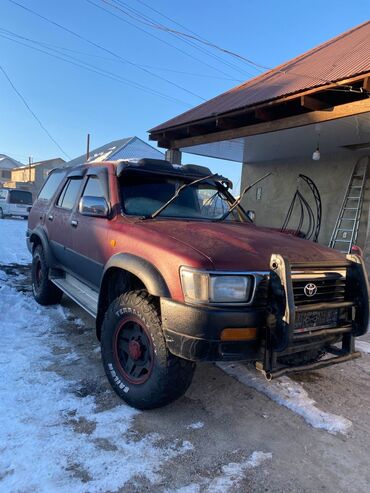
x: 89, y: 236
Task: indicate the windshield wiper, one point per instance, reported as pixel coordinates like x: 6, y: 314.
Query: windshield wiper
x: 177, y: 193
x: 237, y: 201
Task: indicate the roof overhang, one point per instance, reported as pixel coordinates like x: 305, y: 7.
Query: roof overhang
x: 326, y: 103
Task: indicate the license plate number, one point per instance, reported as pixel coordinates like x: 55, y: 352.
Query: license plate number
x: 315, y: 320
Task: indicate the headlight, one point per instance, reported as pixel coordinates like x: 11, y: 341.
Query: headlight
x: 204, y: 287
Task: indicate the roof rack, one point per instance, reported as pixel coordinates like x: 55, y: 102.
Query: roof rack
x: 160, y: 166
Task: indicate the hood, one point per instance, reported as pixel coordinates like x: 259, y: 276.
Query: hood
x: 240, y: 246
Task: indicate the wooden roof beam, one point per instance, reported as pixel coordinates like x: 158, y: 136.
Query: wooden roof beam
x: 227, y: 123
x: 314, y: 104
x: 312, y: 117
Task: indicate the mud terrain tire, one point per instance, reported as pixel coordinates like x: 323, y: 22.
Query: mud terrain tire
x: 44, y: 291
x: 136, y: 360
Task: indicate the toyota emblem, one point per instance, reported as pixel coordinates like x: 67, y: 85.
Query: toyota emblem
x: 310, y: 289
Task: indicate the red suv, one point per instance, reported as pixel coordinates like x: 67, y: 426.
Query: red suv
x: 175, y: 272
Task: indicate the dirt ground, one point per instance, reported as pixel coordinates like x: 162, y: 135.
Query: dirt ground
x: 234, y: 421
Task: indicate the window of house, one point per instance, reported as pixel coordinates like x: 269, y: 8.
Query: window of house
x: 6, y: 173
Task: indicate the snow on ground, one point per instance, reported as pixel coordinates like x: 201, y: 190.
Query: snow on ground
x: 40, y: 449
x: 13, y: 247
x: 231, y: 475
x: 362, y: 346
x: 290, y: 394
x: 195, y: 426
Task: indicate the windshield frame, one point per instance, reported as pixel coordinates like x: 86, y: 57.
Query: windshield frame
x: 181, y: 180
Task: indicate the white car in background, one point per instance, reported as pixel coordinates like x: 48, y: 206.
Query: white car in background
x: 15, y: 202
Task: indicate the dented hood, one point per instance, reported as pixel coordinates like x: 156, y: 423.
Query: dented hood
x: 240, y: 246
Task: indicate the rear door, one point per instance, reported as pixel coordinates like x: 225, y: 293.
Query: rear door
x: 90, y: 233
x: 58, y: 221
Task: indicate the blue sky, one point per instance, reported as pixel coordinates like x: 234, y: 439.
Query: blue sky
x: 70, y: 101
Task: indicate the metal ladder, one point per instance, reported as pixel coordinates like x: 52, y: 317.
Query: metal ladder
x: 346, y: 227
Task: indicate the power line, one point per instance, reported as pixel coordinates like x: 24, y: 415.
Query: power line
x: 151, y: 23
x: 94, y: 55
x: 144, y: 19
x: 116, y: 55
x: 88, y: 66
x: 32, y: 112
x: 162, y: 40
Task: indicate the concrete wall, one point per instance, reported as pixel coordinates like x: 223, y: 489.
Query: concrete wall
x: 331, y: 175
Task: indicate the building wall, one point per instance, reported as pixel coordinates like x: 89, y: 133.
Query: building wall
x: 23, y: 174
x: 331, y: 175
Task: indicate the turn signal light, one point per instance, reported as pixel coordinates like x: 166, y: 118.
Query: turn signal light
x: 242, y: 334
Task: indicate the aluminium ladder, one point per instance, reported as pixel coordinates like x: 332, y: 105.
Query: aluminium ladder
x: 346, y: 227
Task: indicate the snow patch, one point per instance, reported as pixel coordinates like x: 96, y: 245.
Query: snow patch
x: 231, y: 475
x: 362, y: 346
x: 13, y: 246
x: 50, y: 438
x: 195, y: 426
x: 290, y: 394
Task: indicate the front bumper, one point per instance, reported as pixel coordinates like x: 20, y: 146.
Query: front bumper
x: 193, y: 332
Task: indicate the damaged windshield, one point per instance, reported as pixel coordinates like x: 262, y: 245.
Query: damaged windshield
x: 144, y: 195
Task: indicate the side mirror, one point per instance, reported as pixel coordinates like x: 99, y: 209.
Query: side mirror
x: 251, y: 216
x: 93, y: 206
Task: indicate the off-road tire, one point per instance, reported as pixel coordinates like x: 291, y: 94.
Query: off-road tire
x: 159, y: 376
x: 44, y: 291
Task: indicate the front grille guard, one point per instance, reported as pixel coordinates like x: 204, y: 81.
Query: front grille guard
x: 279, y: 334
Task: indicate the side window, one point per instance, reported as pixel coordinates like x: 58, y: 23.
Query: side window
x: 68, y: 196
x: 93, y: 188
x: 51, y: 185
x: 3, y: 194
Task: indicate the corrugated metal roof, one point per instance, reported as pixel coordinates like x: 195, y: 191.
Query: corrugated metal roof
x: 340, y: 58
x: 130, y: 147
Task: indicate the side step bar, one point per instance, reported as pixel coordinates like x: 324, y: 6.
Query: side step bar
x: 83, y: 295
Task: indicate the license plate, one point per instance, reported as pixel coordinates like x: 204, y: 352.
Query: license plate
x: 315, y: 320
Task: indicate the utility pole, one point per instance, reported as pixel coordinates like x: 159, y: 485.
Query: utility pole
x: 88, y: 147
x: 29, y: 168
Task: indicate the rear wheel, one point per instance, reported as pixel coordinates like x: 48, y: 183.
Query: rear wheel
x: 136, y: 360
x: 44, y: 291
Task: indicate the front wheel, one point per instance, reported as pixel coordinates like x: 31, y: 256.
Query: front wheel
x: 136, y: 360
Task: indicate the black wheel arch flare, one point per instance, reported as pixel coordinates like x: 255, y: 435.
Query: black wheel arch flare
x: 146, y: 272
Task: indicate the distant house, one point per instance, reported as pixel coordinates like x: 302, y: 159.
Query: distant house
x: 128, y: 148
x: 6, y: 165
x: 31, y: 177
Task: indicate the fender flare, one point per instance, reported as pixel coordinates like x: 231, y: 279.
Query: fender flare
x: 41, y: 235
x: 142, y: 269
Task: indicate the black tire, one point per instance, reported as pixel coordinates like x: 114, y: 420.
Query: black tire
x: 44, y: 291
x: 1, y: 214
x: 136, y: 360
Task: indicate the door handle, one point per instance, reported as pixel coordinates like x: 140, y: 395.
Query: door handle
x: 74, y: 223
x: 50, y: 217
